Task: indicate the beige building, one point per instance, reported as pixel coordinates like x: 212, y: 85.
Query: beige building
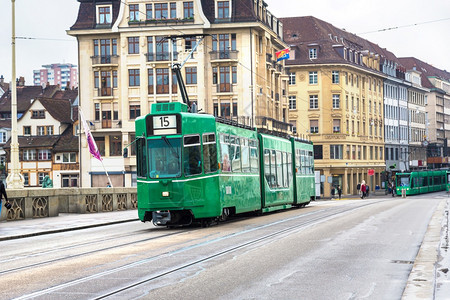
x: 126, y: 50
x: 336, y: 98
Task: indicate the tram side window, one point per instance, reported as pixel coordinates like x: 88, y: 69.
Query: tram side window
x: 280, y: 174
x: 303, y: 159
x: 436, y: 180
x: 253, y: 156
x: 225, y: 152
x: 192, y: 155
x: 235, y: 154
x: 289, y: 168
x: 311, y: 162
x: 141, y: 156
x: 298, y: 165
x: 245, y: 155
x: 285, y: 170
x: 210, y: 153
x: 267, y: 167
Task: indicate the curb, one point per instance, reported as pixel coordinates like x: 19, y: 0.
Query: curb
x: 14, y: 237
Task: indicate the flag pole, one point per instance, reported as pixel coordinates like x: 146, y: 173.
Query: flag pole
x: 92, y: 145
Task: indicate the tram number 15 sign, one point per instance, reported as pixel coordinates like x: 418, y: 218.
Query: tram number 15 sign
x: 164, y: 125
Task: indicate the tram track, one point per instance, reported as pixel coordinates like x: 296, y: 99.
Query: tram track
x: 313, y: 218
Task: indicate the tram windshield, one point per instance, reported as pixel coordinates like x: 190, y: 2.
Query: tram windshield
x: 403, y: 180
x: 164, y: 157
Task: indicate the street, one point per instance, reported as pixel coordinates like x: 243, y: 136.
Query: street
x: 348, y: 249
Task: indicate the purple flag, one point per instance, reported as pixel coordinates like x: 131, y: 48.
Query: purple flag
x: 90, y: 139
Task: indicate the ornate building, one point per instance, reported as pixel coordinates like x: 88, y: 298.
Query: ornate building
x: 336, y: 98
x: 126, y: 49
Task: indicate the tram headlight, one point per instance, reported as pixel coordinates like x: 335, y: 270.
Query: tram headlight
x: 165, y: 194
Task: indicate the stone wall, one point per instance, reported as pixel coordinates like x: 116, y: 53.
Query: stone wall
x: 42, y: 203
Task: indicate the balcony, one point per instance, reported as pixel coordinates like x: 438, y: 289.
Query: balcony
x: 161, y: 56
x: 105, y: 92
x: 104, y: 124
x: 160, y: 22
x: 224, y: 88
x: 224, y: 55
x: 105, y: 60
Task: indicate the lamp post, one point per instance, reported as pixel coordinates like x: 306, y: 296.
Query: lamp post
x: 14, y: 179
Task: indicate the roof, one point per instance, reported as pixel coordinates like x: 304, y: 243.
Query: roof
x: 427, y: 70
x: 68, y: 142
x: 242, y: 11
x: 41, y: 141
x: 301, y: 33
x: 24, y: 96
x: 87, y: 15
x: 58, y: 109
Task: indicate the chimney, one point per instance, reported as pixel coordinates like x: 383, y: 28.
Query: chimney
x: 21, y: 81
x: 2, y: 80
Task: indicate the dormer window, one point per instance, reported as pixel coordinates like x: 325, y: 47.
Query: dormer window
x: 104, y: 15
x: 312, y: 53
x: 38, y: 114
x: 223, y: 9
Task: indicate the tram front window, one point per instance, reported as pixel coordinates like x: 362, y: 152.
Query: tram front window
x: 403, y: 180
x: 164, y: 157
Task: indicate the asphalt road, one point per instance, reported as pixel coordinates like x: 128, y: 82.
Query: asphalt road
x: 355, y: 249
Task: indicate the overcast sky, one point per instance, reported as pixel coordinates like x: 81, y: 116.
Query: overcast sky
x: 46, y: 22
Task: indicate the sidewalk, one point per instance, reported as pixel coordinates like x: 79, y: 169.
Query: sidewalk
x: 64, y: 222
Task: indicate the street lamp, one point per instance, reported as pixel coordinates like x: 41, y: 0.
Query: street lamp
x: 14, y: 179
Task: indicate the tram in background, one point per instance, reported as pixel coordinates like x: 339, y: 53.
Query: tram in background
x: 195, y: 168
x: 448, y: 180
x: 420, y: 182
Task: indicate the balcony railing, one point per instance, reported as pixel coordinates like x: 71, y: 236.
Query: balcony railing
x: 104, y: 124
x: 105, y: 92
x: 224, y: 54
x: 161, y: 56
x: 224, y: 88
x: 105, y: 59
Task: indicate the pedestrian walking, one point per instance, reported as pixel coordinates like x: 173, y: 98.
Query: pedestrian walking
x: 333, y: 192
x: 339, y: 191
x: 3, y: 194
x: 363, y: 189
x: 358, y: 188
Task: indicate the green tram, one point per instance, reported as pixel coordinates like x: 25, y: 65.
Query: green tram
x: 448, y: 181
x: 194, y: 168
x: 420, y: 182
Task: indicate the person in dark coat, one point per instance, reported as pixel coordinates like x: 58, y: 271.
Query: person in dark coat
x: 3, y: 194
x: 339, y: 190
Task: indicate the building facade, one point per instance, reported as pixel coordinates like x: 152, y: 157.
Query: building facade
x: 64, y: 75
x: 127, y: 49
x: 336, y: 99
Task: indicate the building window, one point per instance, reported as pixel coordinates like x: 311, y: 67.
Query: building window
x: 224, y: 85
x: 162, y: 81
x: 173, y: 10
x: 115, y: 145
x: 41, y: 177
x: 314, y: 126
x: 223, y: 9
x: 133, y: 45
x: 292, y: 102
x: 69, y: 157
x: 97, y: 111
x: 104, y: 15
x: 335, y: 151
x: 191, y: 75
x: 38, y: 114
x: 161, y: 11
x: 174, y: 83
x: 135, y: 111
x: 150, y: 82
x: 291, y: 78
x: 162, y: 49
x: 134, y: 12
x: 214, y: 71
x: 44, y: 154
x: 149, y: 11
x: 105, y: 83
x: 335, y: 77
x: 26, y: 179
x: 336, y: 101
x: 336, y: 126
x: 313, y: 101
x: 313, y: 53
x: 27, y: 130
x: 225, y: 110
x: 133, y: 77
x: 69, y: 180
x: 29, y: 154
x: 313, y: 77
x: 189, y: 43
x: 114, y: 79
x: 234, y: 74
x: 41, y: 130
x: 188, y: 10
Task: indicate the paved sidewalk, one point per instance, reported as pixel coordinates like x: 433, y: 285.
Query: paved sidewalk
x: 64, y: 222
